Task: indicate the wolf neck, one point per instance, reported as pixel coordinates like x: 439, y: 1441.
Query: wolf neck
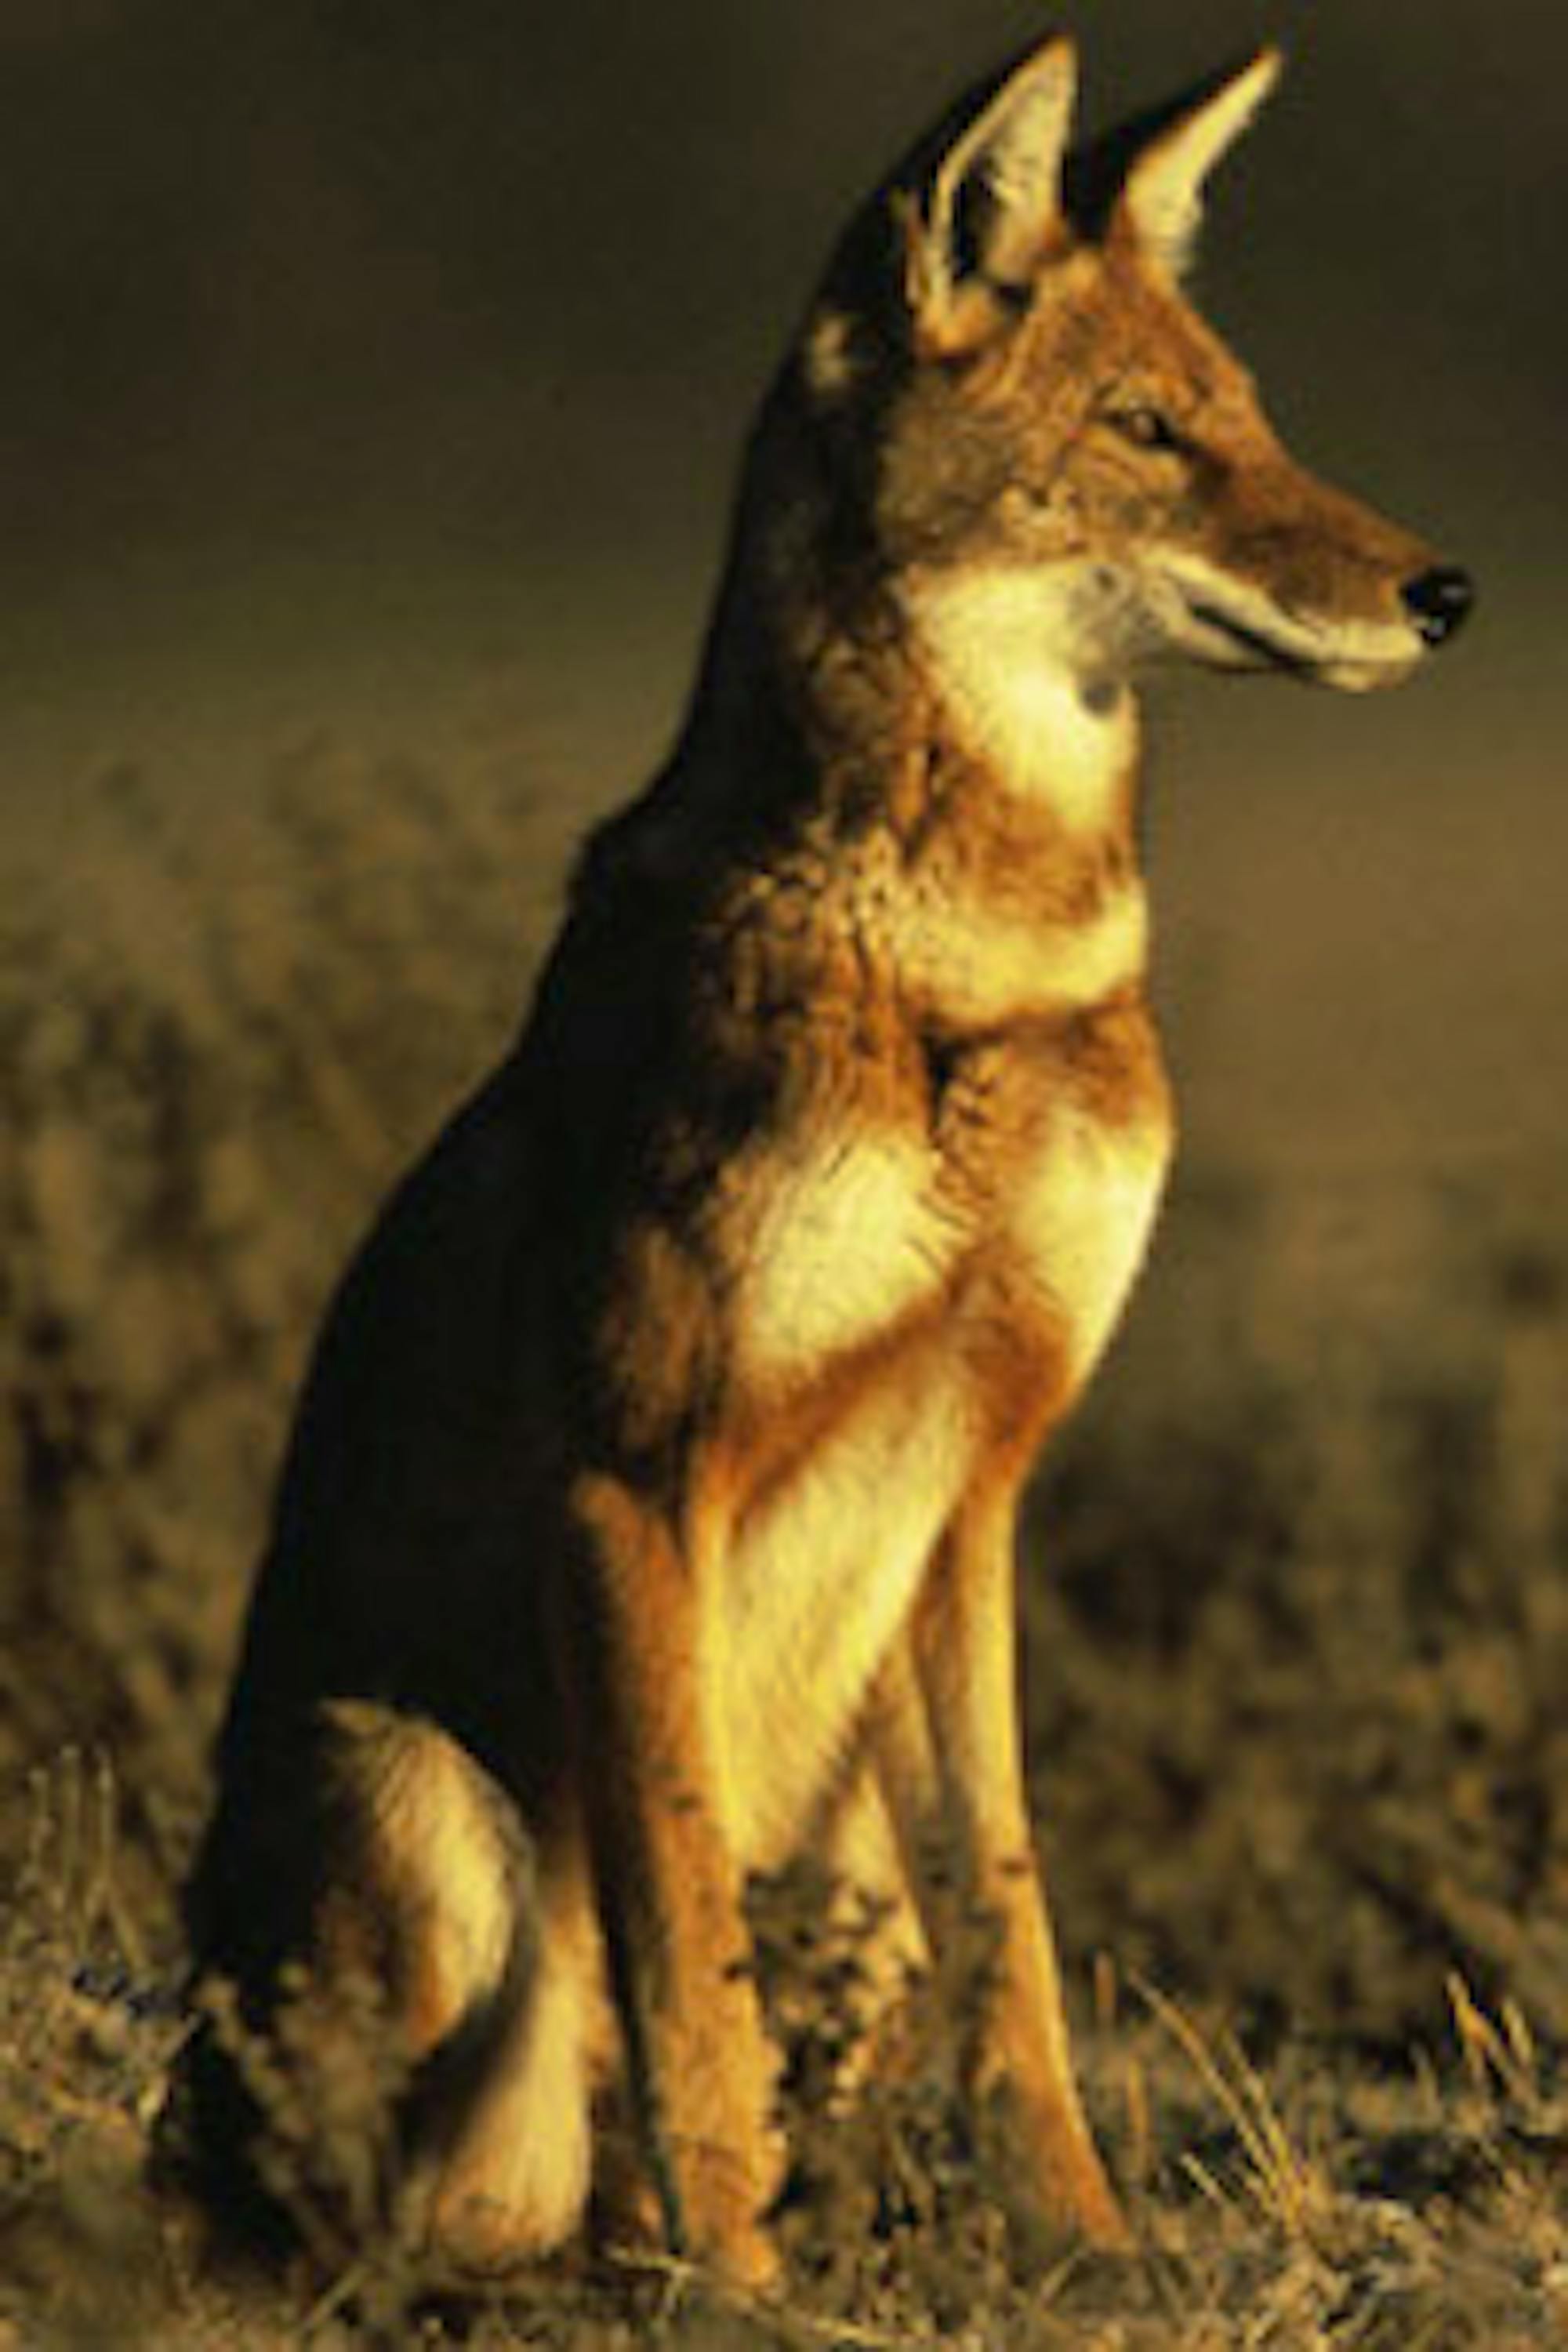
x: 973, y: 671
x: 946, y: 790
x: 1049, y: 732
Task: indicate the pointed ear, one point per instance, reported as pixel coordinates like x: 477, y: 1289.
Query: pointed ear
x: 991, y: 209
x: 1162, y: 197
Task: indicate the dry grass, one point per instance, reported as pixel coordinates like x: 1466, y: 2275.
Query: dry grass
x: 1296, y: 1670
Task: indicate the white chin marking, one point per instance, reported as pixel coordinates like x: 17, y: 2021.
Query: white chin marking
x: 1000, y: 645
x: 1365, y: 677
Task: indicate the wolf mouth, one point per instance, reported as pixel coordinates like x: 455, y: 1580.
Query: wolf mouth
x: 1268, y: 651
x: 1354, y: 657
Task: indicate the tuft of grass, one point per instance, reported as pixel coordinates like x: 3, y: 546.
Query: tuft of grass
x: 1286, y: 2190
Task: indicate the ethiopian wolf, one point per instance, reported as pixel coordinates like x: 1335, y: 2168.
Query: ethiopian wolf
x: 649, y: 1515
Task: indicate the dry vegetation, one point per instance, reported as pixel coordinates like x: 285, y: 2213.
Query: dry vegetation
x: 1297, y: 1664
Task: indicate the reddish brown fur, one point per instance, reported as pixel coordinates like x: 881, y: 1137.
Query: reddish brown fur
x: 651, y: 1506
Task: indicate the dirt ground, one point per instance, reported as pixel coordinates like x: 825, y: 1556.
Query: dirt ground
x: 1297, y: 1632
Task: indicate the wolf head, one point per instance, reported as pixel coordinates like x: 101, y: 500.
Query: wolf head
x: 1007, y: 421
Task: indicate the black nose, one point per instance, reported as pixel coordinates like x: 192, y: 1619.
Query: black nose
x: 1438, y: 600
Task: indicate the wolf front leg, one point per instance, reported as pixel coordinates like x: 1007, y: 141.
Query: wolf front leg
x: 949, y: 1737
x: 701, y: 2070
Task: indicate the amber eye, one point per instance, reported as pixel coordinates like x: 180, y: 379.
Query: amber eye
x: 1148, y: 429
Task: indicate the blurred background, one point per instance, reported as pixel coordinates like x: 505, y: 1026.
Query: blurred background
x: 372, y: 378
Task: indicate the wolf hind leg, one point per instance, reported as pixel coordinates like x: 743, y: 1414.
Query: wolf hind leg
x: 504, y: 2143
x: 493, y: 1975
x: 413, y: 2009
